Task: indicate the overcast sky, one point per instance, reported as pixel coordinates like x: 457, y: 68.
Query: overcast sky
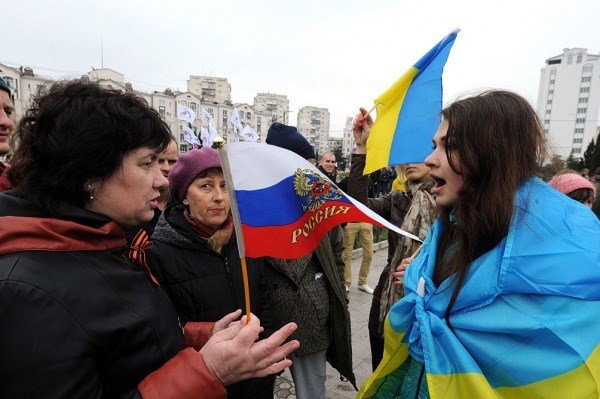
x: 333, y: 54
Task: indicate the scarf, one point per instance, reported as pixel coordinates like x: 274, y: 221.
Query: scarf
x: 215, y: 238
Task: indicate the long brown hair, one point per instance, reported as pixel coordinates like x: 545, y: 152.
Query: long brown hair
x: 496, y: 142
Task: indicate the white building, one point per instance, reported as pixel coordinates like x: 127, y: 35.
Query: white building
x: 348, y: 140
x: 277, y: 106
x: 569, y: 101
x: 210, y: 89
x: 24, y: 85
x: 313, y: 123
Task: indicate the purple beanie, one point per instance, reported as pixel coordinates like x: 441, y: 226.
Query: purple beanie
x: 570, y: 182
x: 188, y: 167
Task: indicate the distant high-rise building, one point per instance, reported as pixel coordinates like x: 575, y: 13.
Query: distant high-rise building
x: 569, y: 101
x: 210, y: 89
x: 277, y: 106
x: 313, y: 123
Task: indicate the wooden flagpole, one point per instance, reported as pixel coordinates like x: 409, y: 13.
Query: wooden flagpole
x: 220, y: 144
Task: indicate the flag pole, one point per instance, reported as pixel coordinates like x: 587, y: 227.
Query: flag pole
x: 220, y: 144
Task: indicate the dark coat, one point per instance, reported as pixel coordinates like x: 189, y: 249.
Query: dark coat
x: 329, y: 257
x: 205, y: 285
x: 78, y: 319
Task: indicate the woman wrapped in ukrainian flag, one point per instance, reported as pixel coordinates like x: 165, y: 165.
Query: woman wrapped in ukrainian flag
x: 503, y: 300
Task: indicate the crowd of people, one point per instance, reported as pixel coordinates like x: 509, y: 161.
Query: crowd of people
x: 120, y: 275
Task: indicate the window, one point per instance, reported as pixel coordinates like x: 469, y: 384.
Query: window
x: 161, y: 102
x: 549, y: 102
x: 161, y: 111
x: 579, y: 130
x: 224, y: 114
x: 575, y: 141
x: 210, y: 111
x: 570, y: 59
x: 576, y: 150
x: 551, y: 91
x: 184, y: 103
x: 580, y: 120
x: 258, y: 124
x: 586, y: 79
x: 588, y: 68
x: 193, y: 106
x: 248, y: 115
x: 548, y: 112
x: 584, y: 89
x: 547, y: 121
x: 579, y: 58
x: 183, y: 148
x: 552, y: 81
x: 583, y: 100
x: 581, y: 110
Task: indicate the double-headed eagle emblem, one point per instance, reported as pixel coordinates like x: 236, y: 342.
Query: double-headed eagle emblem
x: 314, y: 190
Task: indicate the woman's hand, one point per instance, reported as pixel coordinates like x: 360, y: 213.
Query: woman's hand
x: 227, y: 321
x: 233, y: 354
x: 398, y: 275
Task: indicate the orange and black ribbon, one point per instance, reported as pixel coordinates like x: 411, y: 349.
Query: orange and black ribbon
x: 137, y: 253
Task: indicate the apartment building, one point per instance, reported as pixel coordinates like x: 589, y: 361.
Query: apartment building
x: 569, y: 100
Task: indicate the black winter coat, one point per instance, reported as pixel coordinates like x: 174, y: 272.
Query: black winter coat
x: 77, y: 318
x: 205, y: 285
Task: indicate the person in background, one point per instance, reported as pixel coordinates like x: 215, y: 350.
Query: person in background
x: 327, y: 166
x: 399, y: 183
x: 364, y: 231
x: 575, y: 186
x: 414, y: 211
x: 508, y: 260
x: 166, y: 161
x: 80, y: 318
x: 195, y: 257
x: 6, y: 127
x: 310, y: 292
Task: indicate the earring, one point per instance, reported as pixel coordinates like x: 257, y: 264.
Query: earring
x: 88, y: 189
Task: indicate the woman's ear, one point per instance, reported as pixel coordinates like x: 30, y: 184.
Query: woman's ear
x: 185, y: 201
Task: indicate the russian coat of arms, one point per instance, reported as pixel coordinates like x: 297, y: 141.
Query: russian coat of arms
x: 313, y: 189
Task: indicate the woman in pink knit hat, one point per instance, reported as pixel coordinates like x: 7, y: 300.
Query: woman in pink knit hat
x: 576, y: 187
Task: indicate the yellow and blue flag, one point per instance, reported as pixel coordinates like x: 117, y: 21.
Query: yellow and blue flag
x: 525, y: 323
x: 408, y: 113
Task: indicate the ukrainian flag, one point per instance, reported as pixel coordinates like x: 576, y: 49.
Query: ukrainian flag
x: 526, y: 323
x: 408, y: 113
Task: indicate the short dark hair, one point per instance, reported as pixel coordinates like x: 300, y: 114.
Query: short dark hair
x: 77, y: 132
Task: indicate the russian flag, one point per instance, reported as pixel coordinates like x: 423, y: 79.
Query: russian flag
x: 285, y: 204
x: 408, y: 113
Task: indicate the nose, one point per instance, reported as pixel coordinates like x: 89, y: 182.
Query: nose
x: 160, y: 181
x: 219, y: 194
x: 5, y: 121
x: 430, y: 160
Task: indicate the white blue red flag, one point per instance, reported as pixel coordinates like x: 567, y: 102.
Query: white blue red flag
x: 285, y: 204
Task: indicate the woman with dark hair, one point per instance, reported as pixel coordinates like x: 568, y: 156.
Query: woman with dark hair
x: 196, y: 260
x: 502, y: 300
x: 79, y: 319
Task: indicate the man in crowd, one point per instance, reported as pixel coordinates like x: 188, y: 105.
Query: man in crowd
x: 166, y: 161
x: 327, y: 166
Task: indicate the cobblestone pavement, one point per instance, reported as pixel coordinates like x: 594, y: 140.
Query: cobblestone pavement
x: 360, y: 304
